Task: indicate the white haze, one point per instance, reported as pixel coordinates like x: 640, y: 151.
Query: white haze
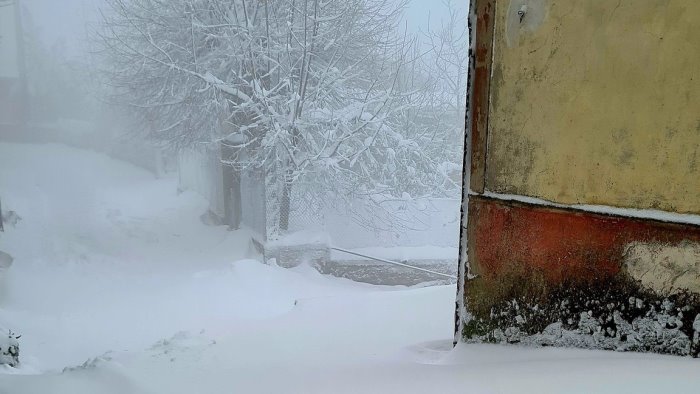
x: 65, y: 20
x: 129, y: 272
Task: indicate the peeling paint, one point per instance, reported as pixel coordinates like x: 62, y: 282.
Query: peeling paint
x: 667, y: 269
x: 483, y: 18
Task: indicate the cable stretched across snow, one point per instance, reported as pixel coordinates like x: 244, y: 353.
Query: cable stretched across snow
x: 394, y: 263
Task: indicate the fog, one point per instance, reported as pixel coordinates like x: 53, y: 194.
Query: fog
x: 267, y: 196
x: 70, y: 21
x: 196, y: 192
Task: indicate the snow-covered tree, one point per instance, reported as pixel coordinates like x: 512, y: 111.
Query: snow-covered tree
x: 310, y: 90
x: 446, y: 64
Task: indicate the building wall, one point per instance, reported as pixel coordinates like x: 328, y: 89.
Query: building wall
x: 597, y: 102
x: 583, y: 225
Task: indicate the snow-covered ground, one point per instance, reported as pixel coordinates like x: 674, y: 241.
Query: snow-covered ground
x: 117, y: 287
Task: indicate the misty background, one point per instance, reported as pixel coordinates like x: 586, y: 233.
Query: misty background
x: 180, y: 178
x: 401, y: 189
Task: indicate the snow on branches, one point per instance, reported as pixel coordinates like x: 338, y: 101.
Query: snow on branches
x: 327, y: 93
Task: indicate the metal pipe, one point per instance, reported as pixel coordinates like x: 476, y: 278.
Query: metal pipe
x: 395, y: 263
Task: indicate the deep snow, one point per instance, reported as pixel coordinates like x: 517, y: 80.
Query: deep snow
x: 117, y: 287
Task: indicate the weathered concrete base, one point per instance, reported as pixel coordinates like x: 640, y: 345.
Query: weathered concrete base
x: 557, y: 277
x: 378, y: 273
x: 366, y: 271
x: 289, y: 256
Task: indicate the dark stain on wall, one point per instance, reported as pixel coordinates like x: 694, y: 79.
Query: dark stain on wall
x: 554, y: 276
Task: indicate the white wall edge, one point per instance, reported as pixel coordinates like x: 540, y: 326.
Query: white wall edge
x: 663, y: 216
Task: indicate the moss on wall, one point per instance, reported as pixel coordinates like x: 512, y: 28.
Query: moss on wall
x: 616, y: 314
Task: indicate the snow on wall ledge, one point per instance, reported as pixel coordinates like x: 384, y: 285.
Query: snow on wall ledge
x: 562, y: 277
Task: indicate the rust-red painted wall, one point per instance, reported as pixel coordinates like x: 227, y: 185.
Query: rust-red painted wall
x: 563, y: 277
x: 566, y: 245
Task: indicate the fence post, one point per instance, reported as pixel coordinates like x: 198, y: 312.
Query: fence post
x: 2, y: 229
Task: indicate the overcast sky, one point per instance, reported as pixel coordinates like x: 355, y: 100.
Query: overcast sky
x: 66, y: 18
x: 65, y: 21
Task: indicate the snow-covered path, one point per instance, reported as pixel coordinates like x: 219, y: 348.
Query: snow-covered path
x: 117, y: 287
x: 103, y: 254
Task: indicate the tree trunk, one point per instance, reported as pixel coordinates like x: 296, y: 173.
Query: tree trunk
x: 285, y: 206
x: 232, y: 189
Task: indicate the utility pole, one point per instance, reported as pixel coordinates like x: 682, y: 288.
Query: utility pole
x: 21, y: 67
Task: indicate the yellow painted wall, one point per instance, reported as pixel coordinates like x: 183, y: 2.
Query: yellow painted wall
x: 597, y: 102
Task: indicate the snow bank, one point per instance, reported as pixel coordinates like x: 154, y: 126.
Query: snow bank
x: 118, y: 288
